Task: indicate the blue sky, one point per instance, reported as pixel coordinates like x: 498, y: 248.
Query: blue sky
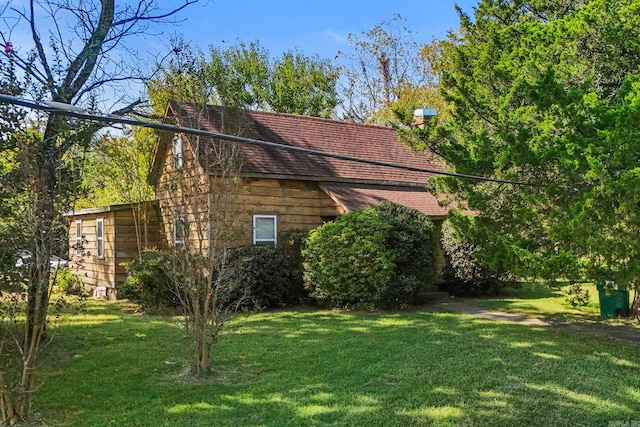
x: 316, y: 27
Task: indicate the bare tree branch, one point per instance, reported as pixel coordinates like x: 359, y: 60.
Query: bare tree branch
x: 26, y: 67
x: 82, y: 67
x: 91, y: 87
x: 40, y: 48
x: 138, y: 18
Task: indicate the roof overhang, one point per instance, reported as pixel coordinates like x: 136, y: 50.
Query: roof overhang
x: 351, y: 197
x: 105, y: 209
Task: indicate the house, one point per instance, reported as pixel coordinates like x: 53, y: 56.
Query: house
x: 101, y: 239
x: 273, y: 190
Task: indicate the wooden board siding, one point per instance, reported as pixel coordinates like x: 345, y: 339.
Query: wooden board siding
x: 126, y: 238
x: 190, y: 191
x: 94, y: 270
x: 297, y: 205
x: 181, y: 192
x: 120, y: 244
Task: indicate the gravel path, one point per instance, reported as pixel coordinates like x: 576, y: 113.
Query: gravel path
x: 619, y: 333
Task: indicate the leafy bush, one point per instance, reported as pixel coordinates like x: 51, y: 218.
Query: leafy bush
x: 147, y: 283
x: 411, y: 238
x: 263, y: 272
x: 375, y: 257
x: 464, y: 274
x: 577, y: 295
x: 291, y: 244
x: 69, y: 283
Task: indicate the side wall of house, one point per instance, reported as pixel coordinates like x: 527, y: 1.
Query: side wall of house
x: 93, y: 270
x: 182, y: 193
x: 297, y: 205
x: 104, y: 273
x: 133, y: 229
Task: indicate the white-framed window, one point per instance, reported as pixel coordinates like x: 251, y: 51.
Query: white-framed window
x: 178, y: 159
x: 265, y: 230
x: 180, y: 231
x: 78, y: 244
x: 100, y: 237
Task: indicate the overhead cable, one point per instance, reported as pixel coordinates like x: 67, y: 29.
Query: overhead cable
x: 75, y: 112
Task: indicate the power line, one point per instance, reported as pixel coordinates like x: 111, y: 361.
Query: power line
x: 75, y: 112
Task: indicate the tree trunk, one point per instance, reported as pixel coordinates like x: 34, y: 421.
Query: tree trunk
x: 634, y: 313
x: 44, y: 187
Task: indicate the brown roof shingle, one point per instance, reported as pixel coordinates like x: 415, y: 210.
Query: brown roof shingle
x: 350, y: 139
x: 357, y: 196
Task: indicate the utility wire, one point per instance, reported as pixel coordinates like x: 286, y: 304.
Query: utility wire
x: 75, y: 112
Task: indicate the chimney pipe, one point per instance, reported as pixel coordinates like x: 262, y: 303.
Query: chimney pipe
x: 422, y: 116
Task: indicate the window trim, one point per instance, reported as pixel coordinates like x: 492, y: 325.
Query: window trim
x: 78, y: 244
x: 100, y: 240
x: 178, y: 152
x: 180, y: 221
x: 255, y: 239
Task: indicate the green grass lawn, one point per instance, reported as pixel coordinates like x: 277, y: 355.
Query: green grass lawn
x: 315, y: 368
x: 550, y: 302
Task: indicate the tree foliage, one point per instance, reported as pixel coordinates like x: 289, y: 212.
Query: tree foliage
x: 116, y: 169
x: 245, y: 76
x: 548, y: 94
x: 388, y: 71
x: 464, y: 273
x: 74, y: 63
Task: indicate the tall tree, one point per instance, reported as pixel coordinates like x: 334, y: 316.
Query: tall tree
x: 387, y: 70
x: 77, y: 63
x: 301, y: 84
x: 245, y: 76
x: 548, y: 94
x: 117, y: 168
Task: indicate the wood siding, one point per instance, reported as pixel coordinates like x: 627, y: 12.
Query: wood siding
x: 211, y: 203
x: 120, y: 244
x: 128, y: 240
x: 94, y: 270
x: 182, y: 192
x: 297, y: 205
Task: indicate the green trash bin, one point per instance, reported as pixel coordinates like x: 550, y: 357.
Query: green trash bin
x: 614, y: 302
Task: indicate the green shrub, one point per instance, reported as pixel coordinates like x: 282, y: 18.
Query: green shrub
x: 69, y: 283
x: 375, y: 257
x: 412, y: 241
x: 147, y: 283
x: 291, y: 244
x: 263, y: 272
x: 466, y: 275
x: 577, y: 295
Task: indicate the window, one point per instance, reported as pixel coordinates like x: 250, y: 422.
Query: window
x: 177, y: 152
x: 179, y: 230
x: 265, y: 230
x: 78, y: 244
x: 100, y: 237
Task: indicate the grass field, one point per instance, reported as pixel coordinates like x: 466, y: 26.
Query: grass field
x: 316, y: 368
x: 550, y: 302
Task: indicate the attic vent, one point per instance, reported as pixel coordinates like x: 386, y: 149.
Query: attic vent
x: 423, y: 115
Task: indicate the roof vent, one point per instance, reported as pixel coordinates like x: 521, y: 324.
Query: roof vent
x: 422, y: 116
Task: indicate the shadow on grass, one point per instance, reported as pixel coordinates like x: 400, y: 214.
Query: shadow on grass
x: 337, y: 368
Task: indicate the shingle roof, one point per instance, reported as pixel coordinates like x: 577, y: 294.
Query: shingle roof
x: 357, y: 196
x: 351, y: 139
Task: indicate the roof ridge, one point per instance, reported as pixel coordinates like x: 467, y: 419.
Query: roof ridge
x: 290, y: 115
